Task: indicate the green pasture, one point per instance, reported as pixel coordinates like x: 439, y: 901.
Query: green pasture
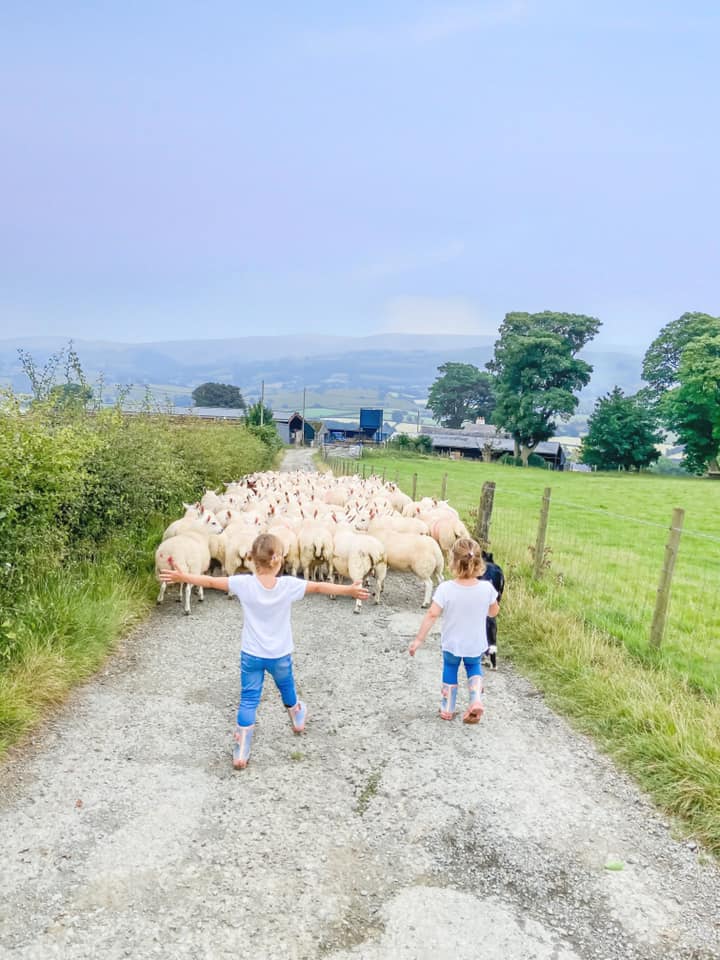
x: 605, y: 548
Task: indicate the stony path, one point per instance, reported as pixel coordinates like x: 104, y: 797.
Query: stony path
x: 381, y: 833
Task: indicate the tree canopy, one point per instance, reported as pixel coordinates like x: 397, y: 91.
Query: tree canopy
x: 661, y: 362
x: 218, y: 395
x: 622, y: 433
x: 461, y: 392
x: 537, y: 371
x: 692, y: 408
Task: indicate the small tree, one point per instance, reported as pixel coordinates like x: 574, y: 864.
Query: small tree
x: 622, y: 434
x: 218, y: 395
x: 259, y: 414
x: 423, y: 443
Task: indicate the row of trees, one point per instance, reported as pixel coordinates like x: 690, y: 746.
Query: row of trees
x: 532, y: 379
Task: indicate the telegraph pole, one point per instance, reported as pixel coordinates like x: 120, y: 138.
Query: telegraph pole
x: 262, y: 403
x: 303, y: 418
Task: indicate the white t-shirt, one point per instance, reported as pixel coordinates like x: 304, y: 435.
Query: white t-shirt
x: 266, y: 628
x: 465, y: 610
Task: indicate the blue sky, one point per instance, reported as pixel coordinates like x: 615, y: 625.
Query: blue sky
x: 176, y: 170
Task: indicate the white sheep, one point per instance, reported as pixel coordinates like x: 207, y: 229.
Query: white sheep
x: 414, y: 553
x: 316, y: 549
x: 357, y: 556
x: 188, y: 551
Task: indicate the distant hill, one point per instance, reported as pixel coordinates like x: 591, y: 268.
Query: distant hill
x: 375, y: 369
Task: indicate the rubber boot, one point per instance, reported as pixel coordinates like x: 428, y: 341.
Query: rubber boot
x: 492, y: 653
x: 241, y: 746
x: 448, y: 695
x: 475, y: 708
x: 297, y: 716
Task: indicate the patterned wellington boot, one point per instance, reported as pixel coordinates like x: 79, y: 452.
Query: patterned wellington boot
x: 448, y: 695
x: 241, y: 746
x: 475, y: 708
x: 297, y: 716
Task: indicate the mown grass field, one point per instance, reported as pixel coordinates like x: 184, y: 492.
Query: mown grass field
x: 581, y: 632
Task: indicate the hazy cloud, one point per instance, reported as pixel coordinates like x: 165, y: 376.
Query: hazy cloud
x: 450, y: 315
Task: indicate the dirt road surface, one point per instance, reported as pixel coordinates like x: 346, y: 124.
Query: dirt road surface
x: 382, y: 832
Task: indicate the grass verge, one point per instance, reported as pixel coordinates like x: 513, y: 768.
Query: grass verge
x: 650, y: 721
x: 63, y: 630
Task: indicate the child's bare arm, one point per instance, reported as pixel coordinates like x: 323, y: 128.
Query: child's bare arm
x: 428, y: 620
x: 196, y: 579
x: 494, y: 609
x: 356, y: 589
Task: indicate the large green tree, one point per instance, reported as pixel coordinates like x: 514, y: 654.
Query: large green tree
x: 692, y: 408
x: 461, y: 392
x: 661, y: 362
x: 536, y: 373
x: 622, y: 434
x: 218, y: 395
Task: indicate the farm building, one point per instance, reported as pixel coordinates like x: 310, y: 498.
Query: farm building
x: 290, y: 428
x: 475, y: 444
x: 340, y: 431
x: 210, y: 413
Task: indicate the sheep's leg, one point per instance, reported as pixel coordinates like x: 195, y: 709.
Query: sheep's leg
x: 163, y: 588
x: 186, y: 605
x: 201, y: 595
x: 428, y: 592
x: 380, y: 574
x: 358, y: 606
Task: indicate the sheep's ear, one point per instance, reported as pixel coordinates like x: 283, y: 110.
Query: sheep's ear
x: 315, y: 514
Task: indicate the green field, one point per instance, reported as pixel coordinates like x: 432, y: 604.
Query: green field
x: 606, y: 539
x: 581, y: 631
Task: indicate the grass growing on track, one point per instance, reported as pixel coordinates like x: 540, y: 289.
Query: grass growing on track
x: 658, y: 716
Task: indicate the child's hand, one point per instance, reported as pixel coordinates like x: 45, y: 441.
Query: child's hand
x: 170, y: 576
x: 413, y: 647
x: 358, y: 591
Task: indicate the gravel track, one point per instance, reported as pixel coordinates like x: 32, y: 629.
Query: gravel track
x: 383, y: 832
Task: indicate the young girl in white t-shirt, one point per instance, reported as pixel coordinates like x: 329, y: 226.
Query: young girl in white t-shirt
x: 267, y: 642
x: 464, y: 603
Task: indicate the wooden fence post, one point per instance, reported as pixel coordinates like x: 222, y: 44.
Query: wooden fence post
x: 485, y: 509
x: 383, y: 474
x: 363, y: 471
x: 657, y: 629
x: 443, y: 488
x: 541, y: 534
x: 414, y: 493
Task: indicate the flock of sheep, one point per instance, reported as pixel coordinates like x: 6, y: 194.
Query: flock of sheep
x: 329, y: 527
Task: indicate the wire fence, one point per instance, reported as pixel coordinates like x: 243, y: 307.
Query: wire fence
x: 652, y: 586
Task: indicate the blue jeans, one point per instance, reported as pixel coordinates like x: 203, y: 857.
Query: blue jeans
x: 252, y: 678
x: 451, y: 665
